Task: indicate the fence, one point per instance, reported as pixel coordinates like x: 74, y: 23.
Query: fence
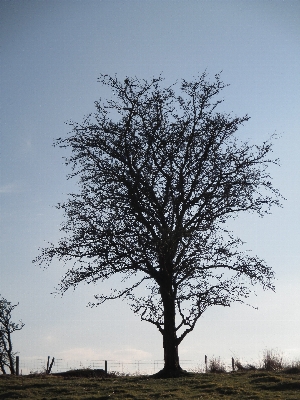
x: 140, y: 367
x: 27, y: 365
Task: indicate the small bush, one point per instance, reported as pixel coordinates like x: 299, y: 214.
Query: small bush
x: 216, y: 366
x: 240, y: 367
x: 293, y: 368
x: 272, y: 361
x: 296, y: 364
x: 83, y: 373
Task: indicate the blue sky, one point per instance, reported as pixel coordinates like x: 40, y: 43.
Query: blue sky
x: 52, y: 53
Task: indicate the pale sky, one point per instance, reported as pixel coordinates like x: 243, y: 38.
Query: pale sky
x: 52, y: 53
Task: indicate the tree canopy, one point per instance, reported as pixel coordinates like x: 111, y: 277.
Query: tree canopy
x: 160, y: 173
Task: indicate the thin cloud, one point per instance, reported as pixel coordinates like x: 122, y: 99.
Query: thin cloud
x: 9, y: 188
x: 14, y: 187
x: 84, y: 353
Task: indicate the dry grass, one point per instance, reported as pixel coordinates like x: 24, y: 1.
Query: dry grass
x: 250, y: 385
x: 271, y: 379
x: 216, y: 366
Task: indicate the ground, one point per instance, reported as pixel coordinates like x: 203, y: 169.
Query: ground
x: 250, y: 385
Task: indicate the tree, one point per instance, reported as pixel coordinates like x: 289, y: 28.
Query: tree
x: 159, y: 175
x: 7, y: 327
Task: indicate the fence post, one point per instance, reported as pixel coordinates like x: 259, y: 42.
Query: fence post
x: 52, y: 362
x: 232, y: 364
x: 48, y: 363
x: 105, y: 367
x: 17, y: 365
x: 205, y: 363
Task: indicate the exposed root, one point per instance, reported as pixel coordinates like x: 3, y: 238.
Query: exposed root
x: 171, y: 373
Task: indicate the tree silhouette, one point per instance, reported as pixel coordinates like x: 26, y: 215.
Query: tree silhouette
x: 159, y: 175
x: 7, y: 327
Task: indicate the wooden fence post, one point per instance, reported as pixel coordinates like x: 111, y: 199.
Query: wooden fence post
x: 52, y: 362
x: 49, y: 366
x: 17, y: 365
x: 205, y: 363
x: 232, y: 364
x: 105, y: 367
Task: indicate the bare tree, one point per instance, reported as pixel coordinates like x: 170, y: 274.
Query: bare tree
x: 159, y: 175
x: 7, y: 327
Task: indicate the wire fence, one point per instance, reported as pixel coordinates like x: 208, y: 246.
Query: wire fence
x: 31, y: 365
x: 139, y: 367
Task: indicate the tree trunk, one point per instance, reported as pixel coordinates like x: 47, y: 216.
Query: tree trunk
x: 170, y: 342
x: 171, y: 358
x: 2, y: 367
x: 10, y: 355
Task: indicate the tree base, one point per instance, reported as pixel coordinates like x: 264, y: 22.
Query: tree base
x: 170, y: 373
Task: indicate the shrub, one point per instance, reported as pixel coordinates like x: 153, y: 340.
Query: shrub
x: 293, y: 368
x: 272, y: 361
x: 240, y: 367
x: 216, y: 366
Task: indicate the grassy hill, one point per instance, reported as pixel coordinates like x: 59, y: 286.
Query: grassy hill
x: 250, y: 385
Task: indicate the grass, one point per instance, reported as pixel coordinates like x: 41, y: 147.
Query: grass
x: 250, y: 385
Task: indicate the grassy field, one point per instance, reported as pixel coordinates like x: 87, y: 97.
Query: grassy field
x: 251, y: 385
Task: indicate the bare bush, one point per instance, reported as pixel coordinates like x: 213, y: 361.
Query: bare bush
x: 216, y: 366
x: 272, y: 361
x: 247, y: 367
